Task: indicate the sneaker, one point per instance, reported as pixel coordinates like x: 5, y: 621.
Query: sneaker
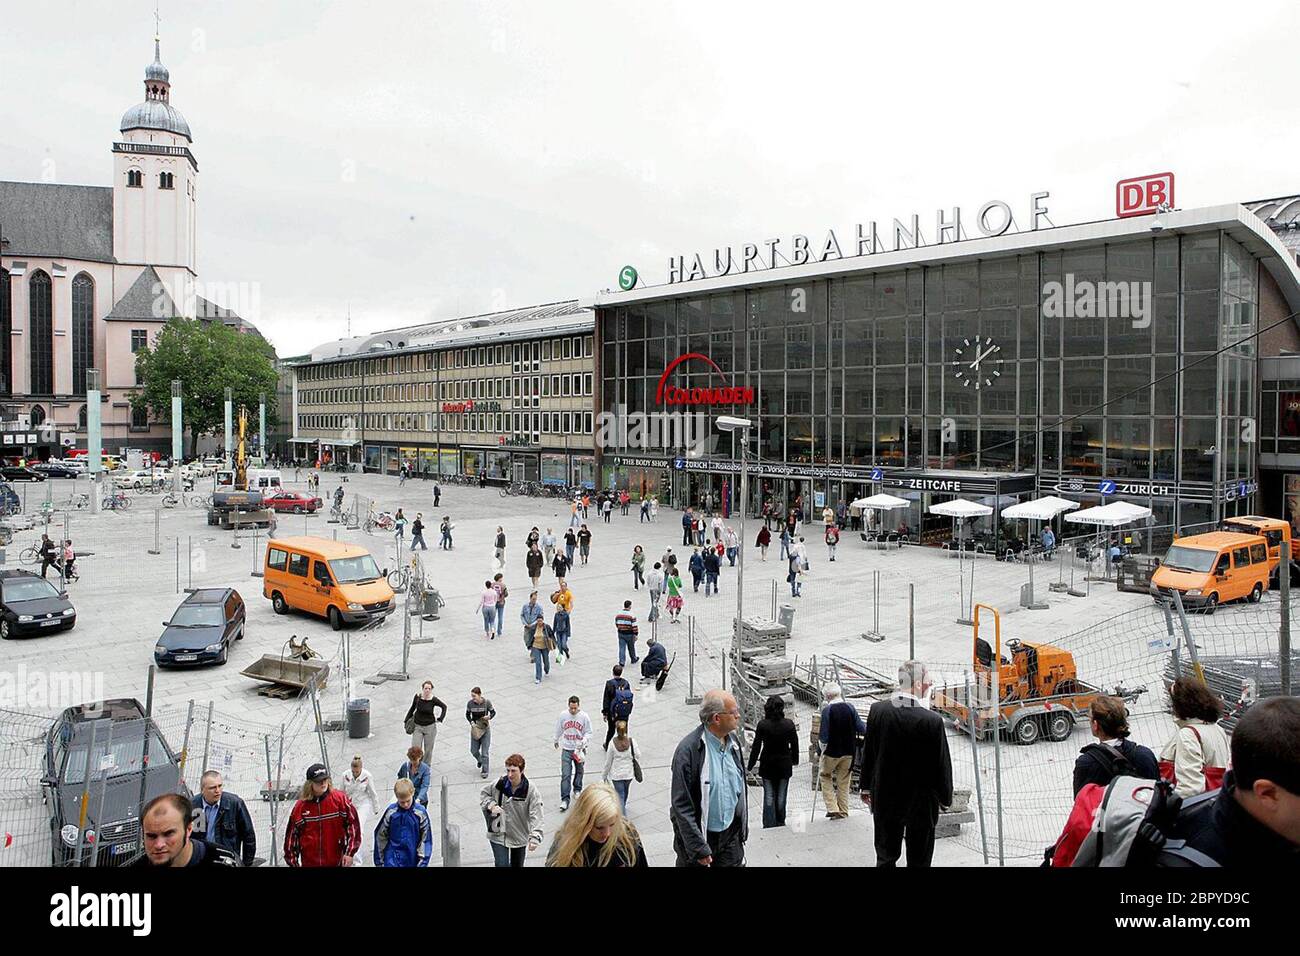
x: 537, y: 680
x: 564, y: 805
x: 483, y: 775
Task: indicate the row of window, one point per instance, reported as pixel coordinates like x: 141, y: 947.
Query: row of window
x: 135, y: 179
x: 40, y: 342
x: 500, y: 423
x: 518, y: 390
x: 521, y: 356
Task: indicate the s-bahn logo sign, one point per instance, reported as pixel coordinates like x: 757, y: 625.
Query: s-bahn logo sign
x: 667, y: 394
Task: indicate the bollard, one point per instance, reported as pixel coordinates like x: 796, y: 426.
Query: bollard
x: 874, y: 634
x: 155, y: 549
x: 257, y: 573
x: 178, y: 565
x: 189, y: 551
x: 234, y: 541
x: 911, y: 622
x: 691, y: 696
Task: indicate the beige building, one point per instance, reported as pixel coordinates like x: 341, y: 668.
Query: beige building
x: 508, y: 395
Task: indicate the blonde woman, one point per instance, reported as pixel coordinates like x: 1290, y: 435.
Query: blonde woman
x: 620, y: 762
x: 359, y: 787
x: 596, y: 833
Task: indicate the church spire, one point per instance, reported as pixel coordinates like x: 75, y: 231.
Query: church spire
x: 157, y: 85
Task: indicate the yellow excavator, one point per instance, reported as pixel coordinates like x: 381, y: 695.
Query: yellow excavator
x: 233, y: 505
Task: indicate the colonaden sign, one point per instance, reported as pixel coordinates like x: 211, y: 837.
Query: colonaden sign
x: 666, y: 394
x: 994, y: 218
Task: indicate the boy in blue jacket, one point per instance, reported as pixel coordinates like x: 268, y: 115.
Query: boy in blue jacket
x: 403, y: 836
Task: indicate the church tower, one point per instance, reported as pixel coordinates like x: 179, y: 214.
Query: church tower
x: 155, y: 180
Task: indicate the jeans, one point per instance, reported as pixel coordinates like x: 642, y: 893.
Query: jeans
x: 696, y: 577
x: 445, y: 543
x: 501, y: 617
x: 478, y: 749
x: 654, y: 598
x: 570, y: 769
x: 774, y: 794
x: 785, y: 552
x: 627, y: 645
x: 560, y: 629
x: 621, y: 787
x: 645, y: 515
x: 541, y: 659
x: 503, y: 855
x: 831, y: 549
x: 686, y: 535
x: 731, y: 556
x: 638, y: 579
x: 417, y: 538
x: 489, y: 619
x: 711, y: 581
x: 568, y: 553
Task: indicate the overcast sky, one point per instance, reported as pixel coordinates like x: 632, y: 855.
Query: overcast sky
x: 429, y: 160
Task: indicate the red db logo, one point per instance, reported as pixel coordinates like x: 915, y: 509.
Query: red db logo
x: 1143, y: 195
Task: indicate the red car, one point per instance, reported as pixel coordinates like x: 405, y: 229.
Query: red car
x: 295, y: 501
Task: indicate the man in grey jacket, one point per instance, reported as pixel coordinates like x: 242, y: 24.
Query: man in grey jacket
x: 710, y: 812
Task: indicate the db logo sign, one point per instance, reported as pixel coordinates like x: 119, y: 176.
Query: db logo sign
x: 1143, y: 195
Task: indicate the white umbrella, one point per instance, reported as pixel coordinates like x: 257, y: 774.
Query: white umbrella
x: 1040, y: 510
x: 960, y: 508
x: 880, y: 503
x: 1110, y: 516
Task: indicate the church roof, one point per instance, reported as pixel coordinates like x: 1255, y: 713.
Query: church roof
x: 156, y: 114
x: 57, y: 220
x: 207, y: 309
x: 138, y: 303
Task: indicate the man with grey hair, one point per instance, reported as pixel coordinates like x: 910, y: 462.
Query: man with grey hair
x: 223, y: 819
x: 906, y: 770
x: 710, y: 812
x: 841, y: 724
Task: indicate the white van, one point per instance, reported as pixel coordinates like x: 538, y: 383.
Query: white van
x: 263, y: 479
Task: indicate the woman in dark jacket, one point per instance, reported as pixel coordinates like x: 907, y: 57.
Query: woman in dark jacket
x: 1115, y: 755
x: 776, y: 751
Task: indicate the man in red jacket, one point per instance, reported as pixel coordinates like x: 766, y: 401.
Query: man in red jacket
x: 323, y: 828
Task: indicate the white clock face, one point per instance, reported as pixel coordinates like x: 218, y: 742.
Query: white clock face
x: 977, y: 363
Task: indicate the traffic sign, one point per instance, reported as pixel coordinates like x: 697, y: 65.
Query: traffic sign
x: 627, y: 278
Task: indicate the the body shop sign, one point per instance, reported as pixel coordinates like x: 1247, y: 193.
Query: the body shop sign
x: 670, y: 394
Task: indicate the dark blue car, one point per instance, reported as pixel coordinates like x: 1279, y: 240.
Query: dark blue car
x: 202, y: 630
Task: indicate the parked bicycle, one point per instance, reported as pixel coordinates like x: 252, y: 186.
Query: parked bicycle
x: 383, y: 521
x: 76, y: 503
x: 411, y: 575
x: 116, y: 502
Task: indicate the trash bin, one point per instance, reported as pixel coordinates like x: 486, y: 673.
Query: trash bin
x: 359, y: 718
x: 432, y: 603
x: 785, y: 617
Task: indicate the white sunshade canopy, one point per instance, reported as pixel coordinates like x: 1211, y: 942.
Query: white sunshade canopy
x: 1110, y: 516
x: 960, y: 508
x: 1040, y: 509
x: 881, y: 503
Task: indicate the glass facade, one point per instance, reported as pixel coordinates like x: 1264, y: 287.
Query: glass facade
x: 1061, y: 363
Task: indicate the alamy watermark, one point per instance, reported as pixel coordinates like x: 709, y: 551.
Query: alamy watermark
x: 23, y: 689
x: 1086, y: 299
x: 653, y: 431
x: 207, y: 300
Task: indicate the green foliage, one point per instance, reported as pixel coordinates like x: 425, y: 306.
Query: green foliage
x: 207, y: 358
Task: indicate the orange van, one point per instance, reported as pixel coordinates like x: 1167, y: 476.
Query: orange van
x: 1208, y: 569
x: 331, y: 579
x: 1276, y: 532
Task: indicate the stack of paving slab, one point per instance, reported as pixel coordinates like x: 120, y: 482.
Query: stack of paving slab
x: 763, y: 632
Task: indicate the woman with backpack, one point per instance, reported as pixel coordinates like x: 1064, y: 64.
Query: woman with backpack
x: 1114, y: 755
x: 512, y: 809
x: 621, y: 762
x: 1197, y: 756
x: 596, y: 834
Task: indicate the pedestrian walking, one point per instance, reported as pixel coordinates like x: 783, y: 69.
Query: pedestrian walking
x: 674, y: 603
x: 832, y: 539
x: 607, y: 509
x: 776, y: 751
x: 616, y: 703
x: 479, y: 712
x: 688, y: 527
x: 654, y: 509
x: 445, y: 528
x: 828, y: 516
x: 762, y: 541
x: 416, y: 769
x: 786, y: 541
x: 625, y: 625
x: 792, y: 578
x: 358, y: 785
x: 272, y: 524
x: 534, y: 536
x: 503, y: 592
x: 323, y: 828
x: 513, y: 810
x: 906, y: 770
x: 1196, y: 757
x: 575, y: 518
x: 586, y: 505
x: 638, y: 568
x: 645, y: 510
x: 562, y: 598
x: 841, y: 724
x: 437, y: 494
x: 401, y: 476
x: 732, y: 542
x: 500, y: 546
x: 709, y: 809
x: 716, y: 525
x: 399, y: 529
x: 570, y: 544
x: 584, y: 543
x: 1113, y: 754
x: 712, y: 567
x: 560, y: 566
x: 167, y: 831
x: 696, y: 566
x: 597, y: 834
x: 403, y: 836
x: 221, y: 818
x: 530, y: 614
x: 572, y: 734
x: 421, y: 722
x: 700, y: 527
x: 624, y: 499
x: 487, y: 608
x: 654, y: 582
x: 48, y: 554
x: 533, y: 560
x: 548, y: 545
x: 417, y: 532
x: 621, y: 762
x: 540, y: 647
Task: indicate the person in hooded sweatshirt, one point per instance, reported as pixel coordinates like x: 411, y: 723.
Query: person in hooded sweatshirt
x: 403, y: 836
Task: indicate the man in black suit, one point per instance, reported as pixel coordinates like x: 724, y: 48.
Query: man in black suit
x: 906, y: 770
x: 223, y: 819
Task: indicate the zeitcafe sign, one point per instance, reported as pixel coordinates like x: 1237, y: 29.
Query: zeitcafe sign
x: 867, y: 238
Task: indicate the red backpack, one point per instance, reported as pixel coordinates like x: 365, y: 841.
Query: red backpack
x: 1077, y: 826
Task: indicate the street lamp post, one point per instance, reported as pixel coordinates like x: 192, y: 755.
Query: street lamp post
x: 731, y: 424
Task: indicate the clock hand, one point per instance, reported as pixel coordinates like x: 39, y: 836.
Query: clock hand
x: 979, y: 358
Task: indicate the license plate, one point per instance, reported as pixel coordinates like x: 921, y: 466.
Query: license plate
x: 186, y: 657
x: 51, y: 621
x: 122, y: 849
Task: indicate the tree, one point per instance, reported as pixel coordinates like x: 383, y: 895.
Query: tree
x: 207, y: 358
